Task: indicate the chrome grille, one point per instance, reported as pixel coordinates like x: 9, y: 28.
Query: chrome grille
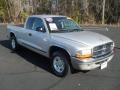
x: 102, y: 50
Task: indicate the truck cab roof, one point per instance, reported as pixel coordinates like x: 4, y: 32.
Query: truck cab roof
x: 46, y: 16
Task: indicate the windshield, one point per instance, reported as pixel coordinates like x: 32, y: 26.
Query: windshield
x: 62, y: 24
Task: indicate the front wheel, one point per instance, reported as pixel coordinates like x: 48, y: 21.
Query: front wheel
x: 59, y: 63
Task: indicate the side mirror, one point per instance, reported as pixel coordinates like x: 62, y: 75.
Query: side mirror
x: 40, y: 29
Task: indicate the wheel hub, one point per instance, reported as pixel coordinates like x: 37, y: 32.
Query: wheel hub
x: 13, y: 44
x: 58, y: 64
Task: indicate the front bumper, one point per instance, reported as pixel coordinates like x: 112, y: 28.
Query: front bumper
x: 89, y: 63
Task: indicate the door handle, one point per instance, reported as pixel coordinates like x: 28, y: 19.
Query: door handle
x: 29, y: 34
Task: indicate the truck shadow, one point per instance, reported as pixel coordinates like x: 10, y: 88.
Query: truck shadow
x: 30, y: 56
x: 34, y: 58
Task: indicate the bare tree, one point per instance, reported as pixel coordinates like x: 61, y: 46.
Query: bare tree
x: 103, y: 12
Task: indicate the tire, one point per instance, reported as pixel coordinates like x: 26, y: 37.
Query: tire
x: 14, y: 44
x: 59, y: 64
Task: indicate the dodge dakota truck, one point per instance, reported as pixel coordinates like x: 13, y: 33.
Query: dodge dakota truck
x: 62, y: 40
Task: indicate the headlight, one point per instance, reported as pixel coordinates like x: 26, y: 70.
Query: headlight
x: 84, y: 54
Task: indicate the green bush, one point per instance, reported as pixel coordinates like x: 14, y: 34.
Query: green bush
x: 23, y: 16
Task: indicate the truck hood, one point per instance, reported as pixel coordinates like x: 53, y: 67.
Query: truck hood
x: 84, y: 37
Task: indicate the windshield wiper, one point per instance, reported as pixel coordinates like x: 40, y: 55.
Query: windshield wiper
x: 76, y: 29
x: 66, y: 30
x: 59, y: 31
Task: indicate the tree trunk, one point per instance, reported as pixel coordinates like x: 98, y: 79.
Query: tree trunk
x: 103, y: 13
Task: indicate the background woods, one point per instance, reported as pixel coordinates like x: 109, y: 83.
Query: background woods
x: 83, y: 11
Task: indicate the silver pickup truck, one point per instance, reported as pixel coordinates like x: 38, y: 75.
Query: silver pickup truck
x: 64, y: 42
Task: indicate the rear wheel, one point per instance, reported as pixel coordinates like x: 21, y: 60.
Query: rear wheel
x: 14, y: 44
x: 59, y: 63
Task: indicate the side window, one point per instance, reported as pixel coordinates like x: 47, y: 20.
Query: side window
x: 29, y: 23
x: 38, y: 23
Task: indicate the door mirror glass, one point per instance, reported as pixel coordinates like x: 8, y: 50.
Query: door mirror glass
x: 40, y: 29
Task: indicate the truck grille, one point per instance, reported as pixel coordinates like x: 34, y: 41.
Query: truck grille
x: 102, y: 50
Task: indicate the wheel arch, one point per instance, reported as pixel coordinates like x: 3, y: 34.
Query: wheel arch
x: 12, y: 34
x: 56, y: 48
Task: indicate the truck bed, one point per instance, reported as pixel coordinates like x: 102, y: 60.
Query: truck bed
x: 19, y: 25
x: 14, y: 27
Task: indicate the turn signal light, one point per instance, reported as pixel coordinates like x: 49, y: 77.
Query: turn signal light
x: 78, y: 55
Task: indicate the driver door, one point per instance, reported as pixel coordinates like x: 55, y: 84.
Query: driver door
x: 38, y: 40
